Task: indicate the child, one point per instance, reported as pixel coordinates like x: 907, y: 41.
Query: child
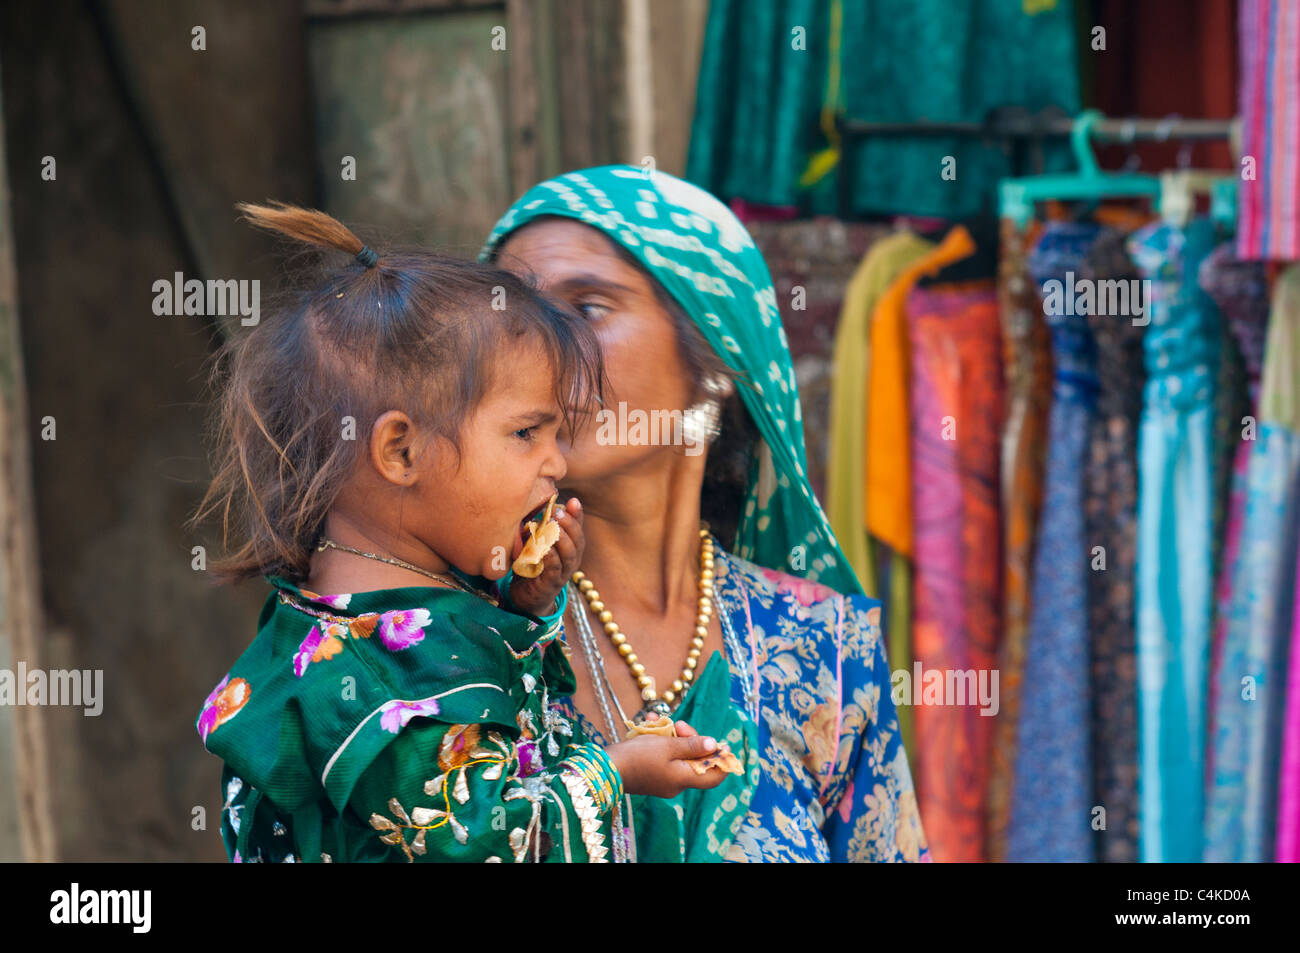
x: 382, y: 437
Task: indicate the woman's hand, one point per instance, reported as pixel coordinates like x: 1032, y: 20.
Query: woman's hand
x: 657, y: 765
x: 538, y: 595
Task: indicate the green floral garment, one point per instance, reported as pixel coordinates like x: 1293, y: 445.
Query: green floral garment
x: 401, y: 725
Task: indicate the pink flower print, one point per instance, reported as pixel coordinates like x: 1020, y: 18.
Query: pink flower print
x: 222, y: 705
x: 402, y: 628
x: 804, y: 591
x: 530, y: 759
x: 846, y: 804
x: 319, y: 645
x: 334, y: 602
x: 397, y: 713
x: 306, y: 650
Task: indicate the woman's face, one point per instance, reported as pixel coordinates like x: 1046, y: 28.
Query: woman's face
x: 577, y: 264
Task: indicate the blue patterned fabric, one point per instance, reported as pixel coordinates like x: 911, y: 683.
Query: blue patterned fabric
x: 1052, y: 792
x: 1175, y: 564
x: 1250, y: 690
x: 834, y: 782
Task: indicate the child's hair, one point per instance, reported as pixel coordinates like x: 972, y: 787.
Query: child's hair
x: 412, y: 331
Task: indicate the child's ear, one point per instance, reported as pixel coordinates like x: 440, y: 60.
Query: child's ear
x: 391, y: 439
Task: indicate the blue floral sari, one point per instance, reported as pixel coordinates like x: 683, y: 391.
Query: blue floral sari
x: 808, y: 666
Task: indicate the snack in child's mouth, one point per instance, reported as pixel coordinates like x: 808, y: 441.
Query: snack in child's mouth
x: 542, y: 536
x: 722, y: 759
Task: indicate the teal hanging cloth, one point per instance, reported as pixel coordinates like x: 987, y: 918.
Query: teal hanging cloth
x: 772, y: 71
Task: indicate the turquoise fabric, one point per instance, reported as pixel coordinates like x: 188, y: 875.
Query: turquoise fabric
x: 1175, y: 566
x: 759, y: 98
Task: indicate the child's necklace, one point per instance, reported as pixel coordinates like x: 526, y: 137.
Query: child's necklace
x: 445, y: 578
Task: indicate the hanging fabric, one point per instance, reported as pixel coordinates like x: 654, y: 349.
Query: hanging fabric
x: 1027, y: 359
x: 1288, y: 807
x: 957, y: 392
x: 888, y: 487
x: 1268, y: 223
x: 1175, y: 538
x: 1110, y: 520
x: 768, y: 75
x: 1251, y: 704
x: 1240, y: 290
x: 1051, y: 801
x: 851, y: 362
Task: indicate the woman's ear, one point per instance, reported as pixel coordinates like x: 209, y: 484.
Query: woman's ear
x: 391, y: 440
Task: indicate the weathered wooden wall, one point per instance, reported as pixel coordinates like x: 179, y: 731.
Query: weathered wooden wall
x: 154, y: 142
x: 418, y: 101
x: 24, y: 774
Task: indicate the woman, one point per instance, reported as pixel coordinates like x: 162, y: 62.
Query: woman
x: 686, y: 313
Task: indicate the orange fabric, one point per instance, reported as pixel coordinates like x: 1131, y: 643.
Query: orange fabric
x: 1127, y: 218
x: 888, y: 488
x: 1122, y: 217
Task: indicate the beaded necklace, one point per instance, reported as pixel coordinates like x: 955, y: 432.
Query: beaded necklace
x: 600, y: 678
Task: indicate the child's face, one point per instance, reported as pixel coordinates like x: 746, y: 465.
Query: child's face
x: 643, y: 364
x: 508, y: 468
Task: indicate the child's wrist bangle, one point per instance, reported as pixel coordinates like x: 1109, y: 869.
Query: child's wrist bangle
x: 561, y: 601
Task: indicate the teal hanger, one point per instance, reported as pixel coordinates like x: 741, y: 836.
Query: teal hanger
x: 1016, y: 197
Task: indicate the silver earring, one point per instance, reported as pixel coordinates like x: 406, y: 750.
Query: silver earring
x: 701, y: 422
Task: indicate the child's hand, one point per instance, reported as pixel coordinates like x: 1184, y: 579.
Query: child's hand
x: 538, y: 595
x: 656, y: 765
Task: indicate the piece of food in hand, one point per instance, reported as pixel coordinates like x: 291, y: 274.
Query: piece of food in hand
x: 541, y: 537
x: 722, y: 759
x: 659, y: 725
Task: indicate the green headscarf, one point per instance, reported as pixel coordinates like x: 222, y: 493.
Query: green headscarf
x: 702, y: 255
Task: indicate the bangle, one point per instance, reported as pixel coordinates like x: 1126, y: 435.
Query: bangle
x: 601, y: 789
x: 547, y: 621
x: 561, y: 604
x: 595, y: 788
x: 592, y: 764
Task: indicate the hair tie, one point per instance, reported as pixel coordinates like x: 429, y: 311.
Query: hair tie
x: 367, y: 256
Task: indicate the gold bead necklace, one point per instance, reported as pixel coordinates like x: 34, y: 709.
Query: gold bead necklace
x: 657, y: 704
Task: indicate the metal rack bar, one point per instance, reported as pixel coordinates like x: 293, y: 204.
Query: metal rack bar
x: 1105, y: 130
x: 1021, y: 130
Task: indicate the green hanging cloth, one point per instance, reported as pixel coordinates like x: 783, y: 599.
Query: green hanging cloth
x: 772, y: 70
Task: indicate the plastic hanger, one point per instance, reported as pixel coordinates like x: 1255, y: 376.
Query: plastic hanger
x: 1016, y: 197
x: 1179, y: 188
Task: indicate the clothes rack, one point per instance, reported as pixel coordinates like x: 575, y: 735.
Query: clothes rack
x: 1024, y: 132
